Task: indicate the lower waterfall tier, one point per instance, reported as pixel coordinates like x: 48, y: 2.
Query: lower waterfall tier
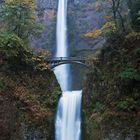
x: 68, y: 117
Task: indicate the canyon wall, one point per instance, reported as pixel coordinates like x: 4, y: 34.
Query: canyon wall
x: 83, y: 16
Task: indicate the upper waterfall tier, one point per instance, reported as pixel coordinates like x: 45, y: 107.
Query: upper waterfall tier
x: 62, y: 72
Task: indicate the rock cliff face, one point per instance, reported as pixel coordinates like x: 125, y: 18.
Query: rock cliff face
x: 8, y: 125
x: 111, y: 102
x: 27, y: 105
x: 46, y: 14
x: 83, y: 16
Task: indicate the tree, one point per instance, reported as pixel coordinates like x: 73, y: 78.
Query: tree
x: 134, y: 6
x: 13, y: 51
x: 116, y: 12
x: 18, y: 22
x: 39, y: 59
x: 115, y: 22
x: 18, y: 17
x: 107, y: 28
x: 31, y: 4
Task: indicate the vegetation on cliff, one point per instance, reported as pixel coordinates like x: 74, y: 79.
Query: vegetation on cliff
x: 28, y: 88
x: 111, y: 100
x: 111, y: 95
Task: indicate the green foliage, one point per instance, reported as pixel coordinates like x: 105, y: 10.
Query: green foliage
x: 13, y: 50
x: 52, y: 100
x: 18, y: 23
x: 100, y: 107
x: 134, y: 6
x: 137, y: 52
x: 18, y: 18
x: 129, y: 73
x: 31, y: 4
x: 12, y: 46
x: 122, y: 105
x: 114, y: 90
x: 128, y: 104
x: 114, y: 85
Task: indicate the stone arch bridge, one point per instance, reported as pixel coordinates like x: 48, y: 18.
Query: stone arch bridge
x: 56, y: 61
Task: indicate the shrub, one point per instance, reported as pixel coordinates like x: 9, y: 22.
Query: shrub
x: 129, y: 73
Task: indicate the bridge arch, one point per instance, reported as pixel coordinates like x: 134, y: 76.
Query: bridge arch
x: 57, y: 61
x: 68, y: 62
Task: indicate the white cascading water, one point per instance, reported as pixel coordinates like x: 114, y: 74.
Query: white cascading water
x: 68, y: 117
x: 62, y: 71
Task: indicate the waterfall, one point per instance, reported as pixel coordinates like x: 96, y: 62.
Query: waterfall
x: 68, y: 116
x: 68, y: 120
x: 62, y: 71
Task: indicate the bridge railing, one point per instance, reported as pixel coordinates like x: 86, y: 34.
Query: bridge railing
x: 65, y: 58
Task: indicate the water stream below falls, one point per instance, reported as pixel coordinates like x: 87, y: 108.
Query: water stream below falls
x: 68, y: 116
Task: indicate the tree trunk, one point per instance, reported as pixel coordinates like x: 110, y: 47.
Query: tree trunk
x: 122, y: 21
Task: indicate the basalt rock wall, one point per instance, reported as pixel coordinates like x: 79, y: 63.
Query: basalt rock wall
x: 83, y: 16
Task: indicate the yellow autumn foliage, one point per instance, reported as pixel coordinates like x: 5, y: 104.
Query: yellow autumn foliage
x: 94, y: 34
x: 108, y: 26
x: 108, y: 18
x: 21, y: 93
x: 43, y: 66
x: 98, y: 6
x: 39, y: 59
x: 29, y: 3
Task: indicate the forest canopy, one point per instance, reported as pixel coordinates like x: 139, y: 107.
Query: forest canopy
x: 18, y: 22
